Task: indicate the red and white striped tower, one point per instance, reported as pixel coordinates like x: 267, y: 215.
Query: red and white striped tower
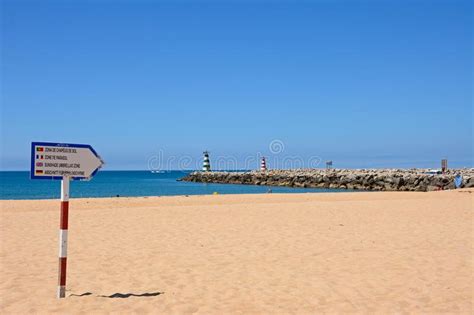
x: 63, y: 237
x: 263, y: 164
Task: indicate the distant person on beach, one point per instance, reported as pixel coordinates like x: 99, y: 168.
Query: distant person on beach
x: 458, y: 181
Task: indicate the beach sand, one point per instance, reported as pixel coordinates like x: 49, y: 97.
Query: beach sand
x: 387, y: 252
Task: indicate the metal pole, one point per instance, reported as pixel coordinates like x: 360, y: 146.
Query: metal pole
x: 63, y: 226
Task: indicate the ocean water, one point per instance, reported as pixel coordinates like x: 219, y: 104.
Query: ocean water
x: 18, y: 185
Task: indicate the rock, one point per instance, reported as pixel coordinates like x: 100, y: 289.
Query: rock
x: 375, y: 180
x: 432, y: 188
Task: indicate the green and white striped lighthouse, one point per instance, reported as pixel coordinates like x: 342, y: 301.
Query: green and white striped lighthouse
x: 206, y: 165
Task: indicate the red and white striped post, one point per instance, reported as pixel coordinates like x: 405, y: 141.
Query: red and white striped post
x: 63, y: 237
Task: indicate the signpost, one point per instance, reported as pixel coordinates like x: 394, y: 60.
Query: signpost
x: 63, y: 161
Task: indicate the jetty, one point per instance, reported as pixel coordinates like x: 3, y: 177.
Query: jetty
x: 354, y: 179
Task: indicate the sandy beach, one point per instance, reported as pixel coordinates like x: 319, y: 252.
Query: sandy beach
x: 378, y: 252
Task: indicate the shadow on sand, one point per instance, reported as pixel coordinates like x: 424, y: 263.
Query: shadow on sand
x: 121, y: 295
x: 127, y: 295
x: 83, y: 294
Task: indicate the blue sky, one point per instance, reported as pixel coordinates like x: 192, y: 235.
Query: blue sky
x: 362, y: 83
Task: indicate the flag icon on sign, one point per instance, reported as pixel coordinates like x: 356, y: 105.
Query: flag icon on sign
x: 39, y: 149
x: 39, y: 163
x: 39, y: 172
x: 39, y: 157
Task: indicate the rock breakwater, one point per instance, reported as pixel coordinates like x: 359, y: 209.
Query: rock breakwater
x: 366, y: 179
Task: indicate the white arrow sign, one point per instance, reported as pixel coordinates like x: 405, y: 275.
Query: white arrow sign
x: 58, y: 160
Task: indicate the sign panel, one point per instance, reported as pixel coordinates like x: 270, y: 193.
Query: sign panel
x: 58, y: 160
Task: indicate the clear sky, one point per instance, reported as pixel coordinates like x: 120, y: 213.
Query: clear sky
x: 363, y: 83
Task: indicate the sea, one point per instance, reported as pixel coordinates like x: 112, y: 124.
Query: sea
x: 18, y: 185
